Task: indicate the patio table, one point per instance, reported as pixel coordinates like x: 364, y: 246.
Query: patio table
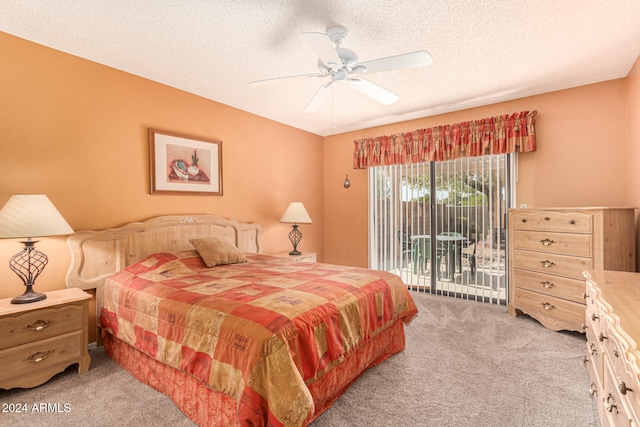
x: 448, y: 244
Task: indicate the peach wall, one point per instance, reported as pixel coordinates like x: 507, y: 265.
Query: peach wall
x: 580, y: 161
x: 77, y: 131
x: 633, y: 117
x: 633, y: 138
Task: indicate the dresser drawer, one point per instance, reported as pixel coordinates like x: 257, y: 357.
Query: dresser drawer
x: 622, y: 378
x: 629, y: 389
x: 27, y: 358
x: 570, y: 222
x: 615, y: 404
x: 613, y: 348
x: 559, y: 243
x: 594, y: 316
x: 556, y: 286
x: 593, y: 363
x: 595, y: 352
x: 38, y: 324
x: 550, y: 308
x: 561, y: 265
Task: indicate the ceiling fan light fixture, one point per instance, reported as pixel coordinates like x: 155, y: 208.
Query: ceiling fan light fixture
x: 339, y: 76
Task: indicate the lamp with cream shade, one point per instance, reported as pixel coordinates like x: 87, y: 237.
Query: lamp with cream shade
x: 295, y: 214
x: 27, y: 216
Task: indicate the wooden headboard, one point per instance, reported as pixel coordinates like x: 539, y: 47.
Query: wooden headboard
x: 95, y: 255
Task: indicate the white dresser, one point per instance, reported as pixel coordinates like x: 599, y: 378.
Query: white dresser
x: 613, y: 357
x: 550, y: 248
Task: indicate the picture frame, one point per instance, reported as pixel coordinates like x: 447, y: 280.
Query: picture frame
x: 184, y: 164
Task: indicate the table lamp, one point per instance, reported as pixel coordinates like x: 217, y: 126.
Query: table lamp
x: 27, y: 216
x: 295, y: 214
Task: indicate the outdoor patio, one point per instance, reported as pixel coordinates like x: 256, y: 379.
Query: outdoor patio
x: 488, y: 282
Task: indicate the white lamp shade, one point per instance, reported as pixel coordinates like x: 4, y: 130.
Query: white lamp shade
x: 296, y: 214
x: 31, y: 215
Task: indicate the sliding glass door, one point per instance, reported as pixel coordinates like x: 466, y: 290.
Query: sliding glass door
x: 441, y: 226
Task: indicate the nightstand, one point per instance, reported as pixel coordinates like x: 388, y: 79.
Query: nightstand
x: 305, y: 257
x: 43, y: 338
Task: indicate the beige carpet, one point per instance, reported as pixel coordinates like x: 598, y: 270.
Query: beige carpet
x: 466, y: 364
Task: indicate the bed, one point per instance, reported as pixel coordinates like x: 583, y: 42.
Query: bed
x: 252, y: 340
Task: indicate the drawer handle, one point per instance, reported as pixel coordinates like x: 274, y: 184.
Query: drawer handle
x: 616, y: 353
x: 39, y: 356
x: 547, y: 306
x: 611, y: 406
x: 38, y: 325
x: 594, y: 317
x: 594, y: 349
x: 623, y: 388
x: 547, y: 284
x: 601, y: 337
x: 547, y: 263
x: 546, y: 218
x: 547, y: 242
x: 593, y: 390
x: 572, y: 222
x: 524, y: 220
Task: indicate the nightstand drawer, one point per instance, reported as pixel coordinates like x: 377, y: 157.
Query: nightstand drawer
x: 38, y: 324
x: 27, y: 358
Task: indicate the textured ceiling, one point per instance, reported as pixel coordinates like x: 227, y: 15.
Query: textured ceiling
x: 483, y: 51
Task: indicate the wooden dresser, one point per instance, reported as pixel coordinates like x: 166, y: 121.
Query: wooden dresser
x: 41, y: 339
x: 550, y: 248
x: 613, y: 356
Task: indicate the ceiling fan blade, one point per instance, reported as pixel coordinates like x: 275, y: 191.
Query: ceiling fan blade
x: 408, y: 60
x: 275, y: 79
x: 324, y: 48
x: 318, y: 98
x: 373, y: 91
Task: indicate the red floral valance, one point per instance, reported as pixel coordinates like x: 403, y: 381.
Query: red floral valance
x: 494, y: 135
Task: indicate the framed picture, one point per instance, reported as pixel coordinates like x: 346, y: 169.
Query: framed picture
x: 183, y: 164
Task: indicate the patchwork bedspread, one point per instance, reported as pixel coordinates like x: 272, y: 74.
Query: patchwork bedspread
x: 261, y: 331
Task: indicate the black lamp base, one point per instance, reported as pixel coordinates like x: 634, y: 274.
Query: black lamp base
x: 295, y: 236
x: 28, y: 264
x: 29, y: 296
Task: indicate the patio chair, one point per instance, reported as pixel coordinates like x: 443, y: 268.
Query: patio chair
x: 471, y: 256
x: 454, y: 258
x: 422, y: 255
x: 405, y: 247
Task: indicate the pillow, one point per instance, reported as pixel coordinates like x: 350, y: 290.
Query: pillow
x: 217, y: 251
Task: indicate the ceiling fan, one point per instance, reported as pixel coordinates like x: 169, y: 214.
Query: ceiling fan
x: 341, y: 66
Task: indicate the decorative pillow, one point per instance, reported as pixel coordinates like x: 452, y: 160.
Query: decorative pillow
x: 217, y: 251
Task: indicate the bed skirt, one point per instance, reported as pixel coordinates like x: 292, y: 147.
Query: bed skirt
x: 207, y: 407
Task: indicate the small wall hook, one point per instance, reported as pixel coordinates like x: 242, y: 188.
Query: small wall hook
x: 347, y: 184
